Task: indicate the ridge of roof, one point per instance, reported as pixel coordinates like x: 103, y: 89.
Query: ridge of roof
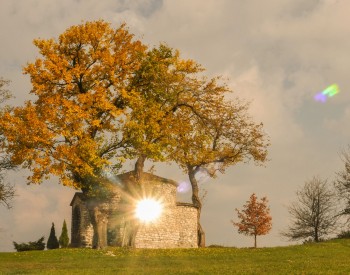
x: 147, y: 176
x: 79, y: 195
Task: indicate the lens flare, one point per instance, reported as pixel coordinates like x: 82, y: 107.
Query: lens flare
x: 148, y: 210
x: 183, y: 187
x: 326, y: 93
x: 202, y: 175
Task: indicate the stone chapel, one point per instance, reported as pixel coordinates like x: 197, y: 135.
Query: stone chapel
x: 176, y: 226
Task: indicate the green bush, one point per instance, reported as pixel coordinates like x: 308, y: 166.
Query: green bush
x: 38, y: 245
x: 64, y: 239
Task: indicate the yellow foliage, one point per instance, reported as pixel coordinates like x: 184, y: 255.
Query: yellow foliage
x: 79, y: 81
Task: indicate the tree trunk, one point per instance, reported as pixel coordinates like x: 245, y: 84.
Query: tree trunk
x: 316, y: 235
x: 98, y: 213
x: 98, y: 210
x: 254, y: 241
x: 129, y: 233
x: 197, y: 203
x: 131, y: 226
x: 139, y: 165
x: 201, y: 235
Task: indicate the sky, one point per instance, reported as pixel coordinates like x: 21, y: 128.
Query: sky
x: 278, y: 55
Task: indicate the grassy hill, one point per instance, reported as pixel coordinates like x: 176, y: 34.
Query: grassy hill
x: 332, y: 257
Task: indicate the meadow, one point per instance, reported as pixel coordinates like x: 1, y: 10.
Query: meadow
x: 331, y: 257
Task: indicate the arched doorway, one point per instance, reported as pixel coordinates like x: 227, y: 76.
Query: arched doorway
x: 76, y: 222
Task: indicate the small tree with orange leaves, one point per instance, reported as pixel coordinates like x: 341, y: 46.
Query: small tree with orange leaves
x: 255, y: 218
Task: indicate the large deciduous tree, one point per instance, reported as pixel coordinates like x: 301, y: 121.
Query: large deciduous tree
x: 72, y: 129
x: 254, y: 218
x: 7, y: 191
x: 314, y: 213
x: 220, y: 135
x: 179, y: 116
x: 163, y: 94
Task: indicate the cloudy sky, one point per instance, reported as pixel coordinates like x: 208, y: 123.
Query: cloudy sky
x: 277, y: 54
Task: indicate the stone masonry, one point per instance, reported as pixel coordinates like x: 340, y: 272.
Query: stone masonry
x: 176, y: 227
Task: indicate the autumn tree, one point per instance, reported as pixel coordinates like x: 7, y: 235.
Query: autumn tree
x: 179, y: 116
x: 219, y: 136
x: 254, y: 218
x: 314, y: 213
x: 7, y: 191
x: 52, y: 242
x: 159, y: 92
x: 72, y: 129
x: 64, y: 239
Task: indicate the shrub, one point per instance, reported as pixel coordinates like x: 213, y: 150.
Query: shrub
x: 64, y: 239
x: 344, y: 235
x: 52, y: 242
x: 38, y: 245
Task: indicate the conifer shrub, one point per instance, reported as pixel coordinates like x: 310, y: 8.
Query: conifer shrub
x: 52, y: 242
x: 64, y: 239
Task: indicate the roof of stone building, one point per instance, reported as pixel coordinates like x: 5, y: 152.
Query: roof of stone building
x: 129, y: 177
x: 79, y: 195
x: 122, y: 180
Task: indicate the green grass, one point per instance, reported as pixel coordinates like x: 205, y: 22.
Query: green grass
x: 332, y: 257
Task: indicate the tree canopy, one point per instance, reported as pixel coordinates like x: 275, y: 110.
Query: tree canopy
x: 255, y: 218
x: 72, y: 129
x: 161, y: 89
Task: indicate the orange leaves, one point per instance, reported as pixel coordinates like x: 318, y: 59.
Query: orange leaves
x: 79, y: 80
x: 254, y: 218
x: 86, y: 57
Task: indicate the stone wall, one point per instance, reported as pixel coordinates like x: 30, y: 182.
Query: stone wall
x: 176, y: 227
x: 82, y: 230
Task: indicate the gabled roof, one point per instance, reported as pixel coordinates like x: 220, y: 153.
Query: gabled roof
x: 79, y: 195
x: 124, y: 180
x: 129, y: 177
